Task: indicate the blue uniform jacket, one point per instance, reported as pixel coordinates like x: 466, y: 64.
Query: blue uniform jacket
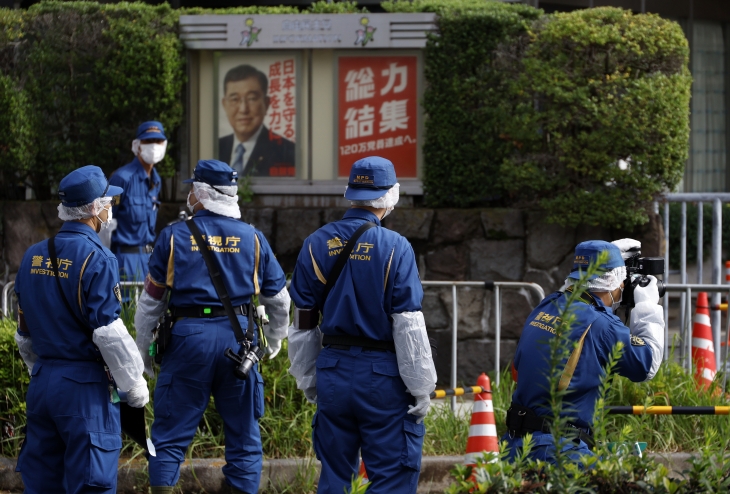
x: 89, y: 277
x: 606, y: 330
x: 380, y: 278
x: 136, y: 213
x: 243, y: 256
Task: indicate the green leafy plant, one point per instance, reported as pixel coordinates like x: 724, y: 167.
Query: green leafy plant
x: 463, y: 149
x: 78, y: 78
x: 599, y: 100
x: 336, y: 7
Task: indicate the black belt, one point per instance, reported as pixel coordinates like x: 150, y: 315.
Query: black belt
x: 522, y: 420
x: 135, y: 249
x: 345, y: 342
x: 206, y: 312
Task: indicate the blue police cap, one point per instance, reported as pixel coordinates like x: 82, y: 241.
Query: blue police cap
x: 370, y: 178
x: 151, y: 130
x: 213, y: 172
x: 587, y: 253
x: 85, y: 184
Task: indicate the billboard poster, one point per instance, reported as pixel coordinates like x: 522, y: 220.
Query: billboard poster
x: 257, y: 113
x: 378, y: 111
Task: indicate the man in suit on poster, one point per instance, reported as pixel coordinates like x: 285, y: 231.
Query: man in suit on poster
x: 252, y: 149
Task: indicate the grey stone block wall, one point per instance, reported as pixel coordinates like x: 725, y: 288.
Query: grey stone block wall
x: 450, y: 244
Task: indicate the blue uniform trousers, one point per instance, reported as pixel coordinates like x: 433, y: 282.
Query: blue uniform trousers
x: 543, y: 448
x: 132, y: 267
x: 362, y: 404
x: 193, y: 367
x: 73, y: 435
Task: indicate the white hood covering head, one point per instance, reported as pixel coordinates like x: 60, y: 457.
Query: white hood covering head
x: 68, y: 213
x: 223, y: 199
x: 387, y: 201
x: 607, y: 282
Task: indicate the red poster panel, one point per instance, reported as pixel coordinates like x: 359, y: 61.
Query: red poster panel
x: 378, y: 111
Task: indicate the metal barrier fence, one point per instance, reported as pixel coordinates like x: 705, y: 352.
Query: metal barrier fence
x: 684, y: 308
x: 496, y: 286
x: 488, y: 285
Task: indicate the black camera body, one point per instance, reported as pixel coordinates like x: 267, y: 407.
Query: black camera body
x: 244, y: 363
x: 637, y: 271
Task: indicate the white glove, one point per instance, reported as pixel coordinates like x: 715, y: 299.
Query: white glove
x: 626, y: 244
x: 148, y: 361
x: 274, y: 346
x: 421, y: 407
x: 139, y: 395
x: 311, y: 395
x: 648, y: 293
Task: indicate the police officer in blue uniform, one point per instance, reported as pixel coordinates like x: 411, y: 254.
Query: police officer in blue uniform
x: 595, y: 332
x: 136, y: 213
x: 76, y: 347
x: 372, y: 380
x: 194, y: 365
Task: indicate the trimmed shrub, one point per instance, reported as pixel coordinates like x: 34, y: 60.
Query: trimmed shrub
x: 463, y: 149
x: 600, y: 115
x: 87, y: 75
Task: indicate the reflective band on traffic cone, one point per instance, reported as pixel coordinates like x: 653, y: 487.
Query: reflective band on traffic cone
x: 703, y: 350
x: 483, y: 428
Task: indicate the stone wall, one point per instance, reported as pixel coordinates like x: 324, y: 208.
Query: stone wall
x: 450, y: 244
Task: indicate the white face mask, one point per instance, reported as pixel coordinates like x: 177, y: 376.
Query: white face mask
x: 105, y: 224
x: 191, y: 207
x: 616, y: 303
x: 152, y: 153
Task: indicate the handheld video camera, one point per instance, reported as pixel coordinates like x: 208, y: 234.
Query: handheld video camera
x: 637, y: 271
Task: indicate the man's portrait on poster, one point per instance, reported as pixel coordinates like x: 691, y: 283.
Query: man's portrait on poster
x: 259, y: 106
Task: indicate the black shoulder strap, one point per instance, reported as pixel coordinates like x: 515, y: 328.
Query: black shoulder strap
x: 54, y: 262
x: 220, y: 286
x: 342, y: 259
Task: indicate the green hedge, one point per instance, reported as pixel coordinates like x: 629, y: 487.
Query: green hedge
x: 524, y: 109
x: 591, y: 88
x: 463, y: 147
x: 77, y: 78
x: 538, y: 110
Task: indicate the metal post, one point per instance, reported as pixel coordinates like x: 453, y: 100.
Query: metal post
x: 683, y: 268
x: 497, y: 331
x: 716, y: 315
x: 700, y: 242
x: 666, y: 279
x: 454, y: 339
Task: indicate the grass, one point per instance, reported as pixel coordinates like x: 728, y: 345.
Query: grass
x: 286, y: 425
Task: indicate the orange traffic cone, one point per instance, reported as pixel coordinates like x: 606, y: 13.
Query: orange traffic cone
x: 703, y: 350
x: 483, y: 428
x: 362, y: 472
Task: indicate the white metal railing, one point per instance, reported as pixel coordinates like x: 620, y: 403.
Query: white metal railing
x: 489, y: 285
x: 496, y: 286
x: 684, y: 308
x: 8, y: 291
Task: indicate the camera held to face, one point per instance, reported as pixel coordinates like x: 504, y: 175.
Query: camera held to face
x: 637, y: 271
